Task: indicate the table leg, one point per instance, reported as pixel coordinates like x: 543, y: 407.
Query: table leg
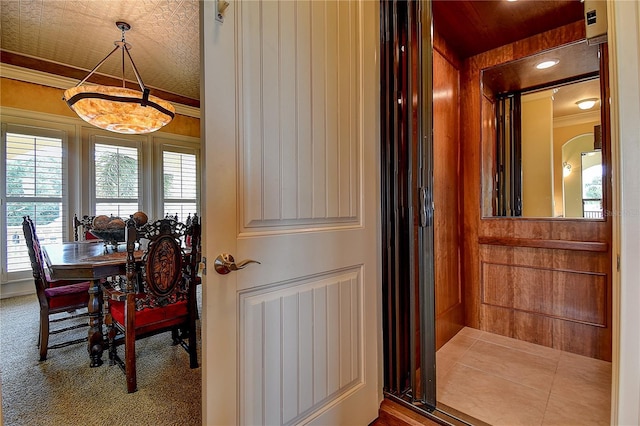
x: 94, y: 346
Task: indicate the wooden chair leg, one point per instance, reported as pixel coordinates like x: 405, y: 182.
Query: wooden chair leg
x: 130, y: 360
x: 175, y: 336
x: 44, y: 334
x: 111, y: 334
x: 130, y: 345
x: 193, y: 350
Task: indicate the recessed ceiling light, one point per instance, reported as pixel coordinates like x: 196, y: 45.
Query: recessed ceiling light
x: 547, y: 64
x: 587, y: 103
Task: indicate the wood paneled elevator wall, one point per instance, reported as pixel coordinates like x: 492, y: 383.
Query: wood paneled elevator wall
x: 546, y: 281
x: 449, y: 301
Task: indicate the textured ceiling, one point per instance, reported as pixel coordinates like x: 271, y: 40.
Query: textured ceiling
x: 164, y: 37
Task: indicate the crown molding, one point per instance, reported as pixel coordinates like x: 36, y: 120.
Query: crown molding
x: 575, y: 119
x: 51, y: 80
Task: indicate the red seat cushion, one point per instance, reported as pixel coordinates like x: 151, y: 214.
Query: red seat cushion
x: 149, y: 316
x: 68, y: 295
x: 89, y: 236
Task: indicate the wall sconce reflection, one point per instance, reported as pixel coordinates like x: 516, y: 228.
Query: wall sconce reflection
x: 566, y: 169
x: 221, y: 8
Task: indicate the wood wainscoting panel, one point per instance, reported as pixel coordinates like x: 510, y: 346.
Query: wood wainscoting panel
x: 520, y: 325
x: 583, y: 339
x: 548, y: 297
x: 580, y: 297
x: 566, y: 295
x: 515, y: 287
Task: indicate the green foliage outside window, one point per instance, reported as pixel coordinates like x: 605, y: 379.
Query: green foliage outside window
x: 33, y: 177
x: 593, y: 189
x: 116, y: 176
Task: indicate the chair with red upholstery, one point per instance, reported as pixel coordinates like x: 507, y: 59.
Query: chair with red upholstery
x: 159, y: 294
x: 84, y: 225
x: 54, y: 296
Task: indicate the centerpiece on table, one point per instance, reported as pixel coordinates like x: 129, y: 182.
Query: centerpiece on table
x: 111, y: 230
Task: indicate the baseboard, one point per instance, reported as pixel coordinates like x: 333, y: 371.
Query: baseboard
x: 17, y: 288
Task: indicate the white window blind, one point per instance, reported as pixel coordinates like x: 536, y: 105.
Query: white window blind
x: 180, y: 184
x: 34, y: 187
x: 116, y: 180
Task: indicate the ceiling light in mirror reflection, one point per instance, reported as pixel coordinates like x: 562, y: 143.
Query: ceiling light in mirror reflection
x: 586, y: 103
x: 547, y: 64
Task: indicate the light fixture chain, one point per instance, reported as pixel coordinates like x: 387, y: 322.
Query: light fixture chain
x: 135, y: 70
x: 97, y: 66
x: 124, y: 47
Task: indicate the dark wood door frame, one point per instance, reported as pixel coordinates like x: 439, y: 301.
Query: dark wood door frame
x: 407, y: 216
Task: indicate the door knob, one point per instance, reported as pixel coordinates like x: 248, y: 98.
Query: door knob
x: 225, y: 263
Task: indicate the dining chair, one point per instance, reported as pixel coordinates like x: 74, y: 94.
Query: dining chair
x: 54, y: 296
x: 85, y: 225
x: 159, y: 293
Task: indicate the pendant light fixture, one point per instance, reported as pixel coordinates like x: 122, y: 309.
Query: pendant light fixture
x: 119, y: 109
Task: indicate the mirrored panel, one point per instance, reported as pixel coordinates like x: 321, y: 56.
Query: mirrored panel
x: 544, y: 112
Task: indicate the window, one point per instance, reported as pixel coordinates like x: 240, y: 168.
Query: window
x: 53, y: 168
x: 591, y: 166
x: 34, y: 187
x: 116, y: 180
x: 180, y: 189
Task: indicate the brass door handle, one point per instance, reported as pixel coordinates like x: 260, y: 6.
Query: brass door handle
x: 225, y: 263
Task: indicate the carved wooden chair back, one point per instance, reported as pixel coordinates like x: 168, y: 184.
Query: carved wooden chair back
x: 81, y: 228
x: 163, y: 273
x: 193, y: 242
x: 54, y: 296
x: 159, y: 293
x: 35, y: 254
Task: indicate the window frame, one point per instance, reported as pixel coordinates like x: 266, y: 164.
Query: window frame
x: 38, y: 128
x: 104, y: 138
x: 164, y: 144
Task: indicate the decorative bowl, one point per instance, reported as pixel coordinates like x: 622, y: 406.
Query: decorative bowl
x: 110, y: 236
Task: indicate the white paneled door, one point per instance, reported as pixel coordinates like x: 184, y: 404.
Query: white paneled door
x: 290, y: 96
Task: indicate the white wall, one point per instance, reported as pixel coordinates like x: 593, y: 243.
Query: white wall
x: 537, y: 156
x: 624, y: 42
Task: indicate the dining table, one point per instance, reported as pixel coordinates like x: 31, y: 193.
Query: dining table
x: 91, y: 261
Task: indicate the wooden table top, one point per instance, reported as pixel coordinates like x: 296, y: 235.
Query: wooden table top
x: 85, y: 260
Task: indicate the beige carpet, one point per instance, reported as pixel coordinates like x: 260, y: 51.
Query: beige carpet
x: 64, y: 390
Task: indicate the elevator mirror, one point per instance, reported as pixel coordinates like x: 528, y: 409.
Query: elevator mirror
x: 536, y: 135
